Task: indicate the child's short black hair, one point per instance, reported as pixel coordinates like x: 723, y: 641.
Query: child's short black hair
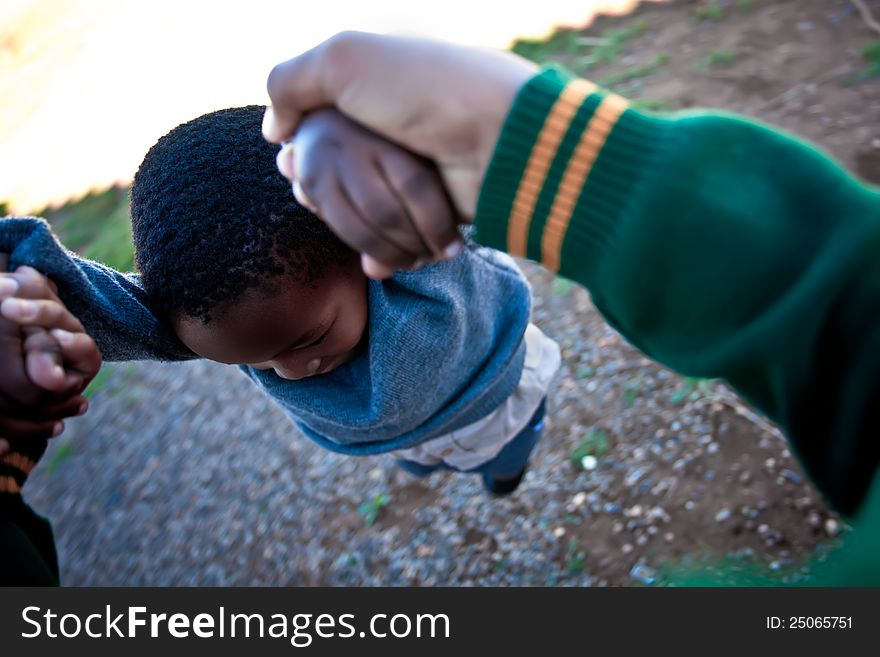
x: 212, y: 217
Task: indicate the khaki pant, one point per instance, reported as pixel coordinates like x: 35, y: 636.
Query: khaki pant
x: 481, y: 441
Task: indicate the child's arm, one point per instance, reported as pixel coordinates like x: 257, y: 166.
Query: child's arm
x: 381, y: 190
x: 112, y: 306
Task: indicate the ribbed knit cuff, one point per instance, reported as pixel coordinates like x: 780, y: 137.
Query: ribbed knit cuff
x: 569, y: 160
x: 16, y: 465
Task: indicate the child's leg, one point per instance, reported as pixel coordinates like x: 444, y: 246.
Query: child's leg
x: 503, y: 474
x: 499, y: 445
x: 27, y: 545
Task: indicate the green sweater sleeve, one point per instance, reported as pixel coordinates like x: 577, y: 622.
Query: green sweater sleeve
x: 718, y: 246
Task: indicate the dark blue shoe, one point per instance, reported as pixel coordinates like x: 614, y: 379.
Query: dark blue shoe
x: 503, y: 474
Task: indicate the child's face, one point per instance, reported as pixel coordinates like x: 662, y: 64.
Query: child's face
x: 301, y: 332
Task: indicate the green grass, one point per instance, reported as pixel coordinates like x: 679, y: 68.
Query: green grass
x: 561, y: 287
x: 585, y: 372
x: 651, y: 105
x: 630, y: 395
x: 566, y: 43
x: 635, y: 72
x: 746, y: 5
x: 97, y: 226
x: 709, y: 12
x: 576, y: 558
x: 691, y: 389
x: 871, y: 55
x: 62, y: 453
x: 595, y: 443
x: 716, y: 59
x: 562, y: 41
x: 616, y: 39
x: 100, y: 381
x: 371, y: 510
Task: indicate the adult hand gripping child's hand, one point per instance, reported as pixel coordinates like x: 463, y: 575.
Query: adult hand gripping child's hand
x: 443, y: 101
x: 46, y: 358
x: 383, y: 195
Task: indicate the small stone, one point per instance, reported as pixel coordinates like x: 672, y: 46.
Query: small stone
x: 641, y: 539
x: 791, y: 476
x: 589, y: 462
x: 626, y: 548
x: 749, y: 512
x: 712, y: 448
x: 633, y: 477
x: 722, y: 515
x: 689, y: 505
x: 634, y: 511
x: 643, y: 574
x: 657, y: 513
x: 559, y: 532
x: 611, y: 507
x: 763, y: 529
x: 675, y: 426
x: 579, y: 499
x: 770, y: 463
x: 669, y: 537
x: 832, y: 527
x: 617, y: 527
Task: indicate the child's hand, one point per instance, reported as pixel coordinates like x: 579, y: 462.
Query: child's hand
x: 46, y: 358
x: 377, y: 193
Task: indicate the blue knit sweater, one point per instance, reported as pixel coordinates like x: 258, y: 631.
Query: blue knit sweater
x: 445, y: 344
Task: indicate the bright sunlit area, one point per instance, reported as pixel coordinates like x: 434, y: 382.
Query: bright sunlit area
x: 89, y: 85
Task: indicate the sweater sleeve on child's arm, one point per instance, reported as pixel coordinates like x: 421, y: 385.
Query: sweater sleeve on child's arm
x: 112, y: 306
x: 719, y: 246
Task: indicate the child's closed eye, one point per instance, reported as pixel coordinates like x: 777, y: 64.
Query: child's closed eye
x: 323, y: 333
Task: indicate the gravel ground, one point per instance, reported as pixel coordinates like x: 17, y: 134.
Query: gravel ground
x: 183, y: 474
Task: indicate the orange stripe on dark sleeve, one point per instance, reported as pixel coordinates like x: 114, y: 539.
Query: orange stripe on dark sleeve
x: 9, y: 485
x: 576, y: 173
x: 554, y: 129
x: 18, y: 461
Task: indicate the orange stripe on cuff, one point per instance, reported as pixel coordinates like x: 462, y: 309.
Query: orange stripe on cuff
x: 16, y: 460
x: 9, y: 485
x: 576, y: 173
x: 552, y: 132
